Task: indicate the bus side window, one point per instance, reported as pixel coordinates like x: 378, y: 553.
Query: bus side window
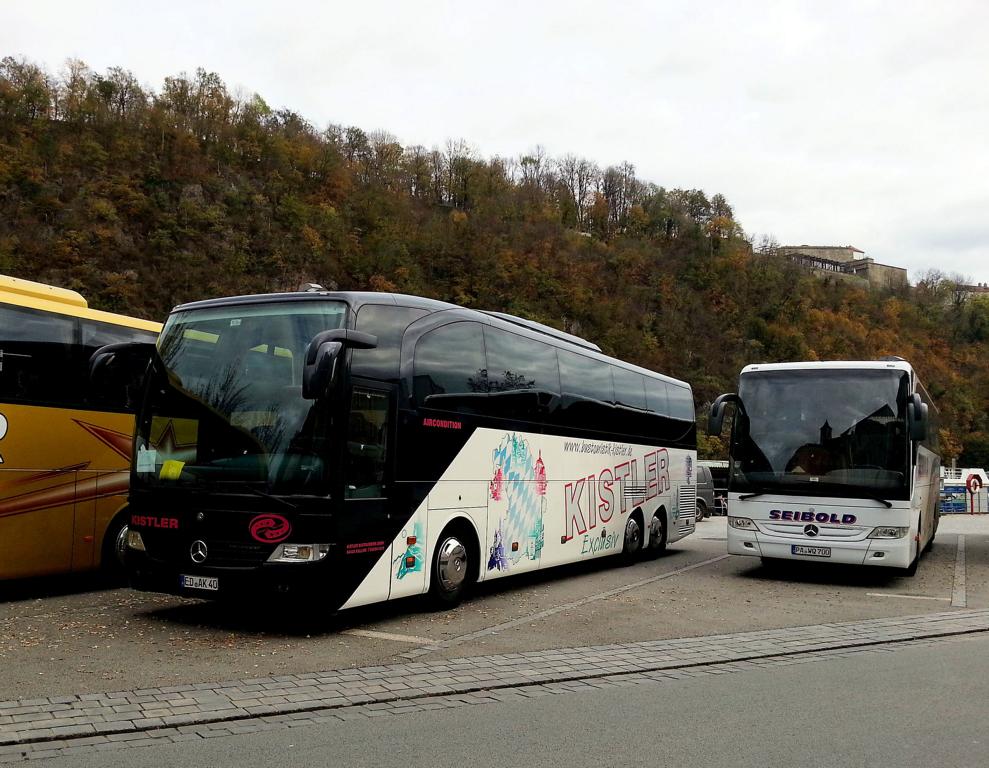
x: 630, y: 401
x: 681, y: 403
x: 37, y: 364
x: 388, y: 323
x: 658, y: 403
x: 367, y: 437
x: 682, y: 409
x: 449, y: 371
x: 523, y: 376
x: 587, y: 392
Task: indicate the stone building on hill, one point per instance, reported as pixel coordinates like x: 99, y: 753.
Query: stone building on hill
x: 846, y: 262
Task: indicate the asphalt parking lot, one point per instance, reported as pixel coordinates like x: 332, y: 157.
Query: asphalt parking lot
x: 77, y: 637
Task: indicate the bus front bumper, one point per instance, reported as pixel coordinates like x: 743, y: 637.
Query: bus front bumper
x: 267, y: 581
x: 889, y: 553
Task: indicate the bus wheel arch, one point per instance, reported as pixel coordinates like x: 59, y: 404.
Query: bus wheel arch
x: 455, y: 564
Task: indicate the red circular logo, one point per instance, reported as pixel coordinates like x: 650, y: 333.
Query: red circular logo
x: 270, y: 528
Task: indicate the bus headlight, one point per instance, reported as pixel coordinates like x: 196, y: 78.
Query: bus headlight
x: 134, y: 540
x: 299, y: 553
x: 888, y: 532
x: 742, y: 523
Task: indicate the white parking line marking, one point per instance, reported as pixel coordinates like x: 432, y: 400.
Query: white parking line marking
x: 907, y: 597
x: 387, y: 636
x: 958, y: 597
x: 494, y: 630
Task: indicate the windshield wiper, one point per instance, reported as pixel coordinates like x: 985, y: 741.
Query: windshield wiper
x: 880, y: 499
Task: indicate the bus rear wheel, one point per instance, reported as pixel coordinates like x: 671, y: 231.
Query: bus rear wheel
x: 657, y: 532
x: 453, y: 569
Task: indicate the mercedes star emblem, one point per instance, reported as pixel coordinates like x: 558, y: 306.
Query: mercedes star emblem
x: 198, y: 551
x: 810, y: 530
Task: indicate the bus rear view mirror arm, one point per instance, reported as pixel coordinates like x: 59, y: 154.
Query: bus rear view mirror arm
x: 716, y: 420
x: 322, y: 354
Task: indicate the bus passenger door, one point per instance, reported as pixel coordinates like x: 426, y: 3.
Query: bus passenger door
x: 367, y: 527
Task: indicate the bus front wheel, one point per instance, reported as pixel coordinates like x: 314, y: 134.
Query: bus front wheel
x: 911, y: 570
x: 633, y: 536
x: 114, y: 547
x: 453, y: 568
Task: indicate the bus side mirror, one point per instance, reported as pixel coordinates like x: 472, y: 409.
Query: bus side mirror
x: 716, y: 420
x: 320, y: 365
x: 917, y: 418
x: 119, y: 365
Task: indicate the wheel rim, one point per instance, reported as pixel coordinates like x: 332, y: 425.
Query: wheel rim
x: 451, y: 564
x: 120, y: 545
x: 700, y: 512
x: 633, y: 535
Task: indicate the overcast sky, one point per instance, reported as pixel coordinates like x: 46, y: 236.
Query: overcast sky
x: 827, y: 123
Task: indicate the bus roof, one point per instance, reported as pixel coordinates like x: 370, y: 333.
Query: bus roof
x: 809, y: 365
x: 48, y: 298
x: 356, y: 299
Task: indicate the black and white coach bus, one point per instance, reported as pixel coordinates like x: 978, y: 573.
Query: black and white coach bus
x: 369, y: 446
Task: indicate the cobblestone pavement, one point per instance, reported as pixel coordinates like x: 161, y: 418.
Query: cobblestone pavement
x: 63, y: 725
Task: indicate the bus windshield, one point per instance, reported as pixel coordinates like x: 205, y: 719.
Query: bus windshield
x: 226, y: 405
x: 822, y: 433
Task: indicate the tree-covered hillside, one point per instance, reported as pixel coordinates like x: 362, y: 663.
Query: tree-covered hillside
x: 142, y: 199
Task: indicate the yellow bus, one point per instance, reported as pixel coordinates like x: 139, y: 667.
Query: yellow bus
x: 64, y: 448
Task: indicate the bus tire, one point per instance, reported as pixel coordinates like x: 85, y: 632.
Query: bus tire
x: 701, y: 510
x: 633, y: 536
x: 911, y: 570
x: 454, y: 567
x: 114, y: 547
x: 930, y: 542
x: 657, y: 532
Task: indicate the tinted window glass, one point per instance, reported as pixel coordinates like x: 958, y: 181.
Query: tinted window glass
x: 585, y: 377
x: 519, y: 363
x: 38, y: 362
x: 657, y: 399
x: 681, y: 403
x: 629, y: 388
x: 367, y: 436
x: 823, y: 432
x: 450, y: 361
x: 388, y: 323
x: 107, y: 396
x: 229, y: 404
x: 96, y: 335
